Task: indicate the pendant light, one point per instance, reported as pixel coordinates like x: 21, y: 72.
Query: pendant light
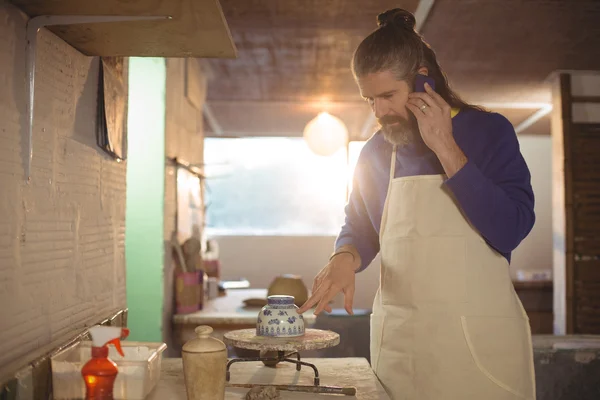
x: 325, y: 134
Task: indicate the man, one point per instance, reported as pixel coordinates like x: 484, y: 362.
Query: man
x: 444, y: 194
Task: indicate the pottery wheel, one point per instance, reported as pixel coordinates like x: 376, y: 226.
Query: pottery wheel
x: 313, y: 339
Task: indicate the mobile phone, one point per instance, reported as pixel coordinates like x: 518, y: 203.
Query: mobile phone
x: 420, y: 82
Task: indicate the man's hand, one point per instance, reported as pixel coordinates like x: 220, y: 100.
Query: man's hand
x: 435, y: 124
x: 337, y: 276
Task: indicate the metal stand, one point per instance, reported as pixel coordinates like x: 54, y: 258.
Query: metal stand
x: 287, y: 350
x: 282, y: 356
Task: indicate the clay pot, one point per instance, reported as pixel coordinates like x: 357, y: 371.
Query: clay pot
x: 290, y: 285
x: 204, y: 366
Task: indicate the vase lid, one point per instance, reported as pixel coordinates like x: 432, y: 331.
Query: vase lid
x: 203, y: 343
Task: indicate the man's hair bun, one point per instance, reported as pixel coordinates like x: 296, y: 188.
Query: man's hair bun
x: 397, y: 17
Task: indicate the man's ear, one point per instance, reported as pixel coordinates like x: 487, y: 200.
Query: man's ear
x: 423, y: 71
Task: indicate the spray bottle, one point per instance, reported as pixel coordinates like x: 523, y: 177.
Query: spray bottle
x: 100, y: 372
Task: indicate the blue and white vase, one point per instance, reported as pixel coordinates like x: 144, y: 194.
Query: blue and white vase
x: 280, y: 318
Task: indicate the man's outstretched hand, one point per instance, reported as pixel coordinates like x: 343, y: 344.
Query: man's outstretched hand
x: 337, y: 276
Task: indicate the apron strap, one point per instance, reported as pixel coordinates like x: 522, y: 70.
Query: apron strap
x: 392, y: 167
x: 385, y: 204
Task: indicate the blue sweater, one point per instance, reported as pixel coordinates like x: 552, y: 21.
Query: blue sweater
x: 493, y: 188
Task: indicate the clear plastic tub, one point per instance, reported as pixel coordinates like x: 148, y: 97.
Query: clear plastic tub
x: 139, y: 370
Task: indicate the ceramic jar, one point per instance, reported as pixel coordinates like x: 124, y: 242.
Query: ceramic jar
x: 280, y: 318
x: 290, y: 285
x: 204, y: 366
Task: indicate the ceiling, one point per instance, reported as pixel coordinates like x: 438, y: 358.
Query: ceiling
x: 294, y: 58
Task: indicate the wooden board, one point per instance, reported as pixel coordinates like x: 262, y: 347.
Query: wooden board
x: 332, y: 371
x: 197, y: 28
x: 313, y: 339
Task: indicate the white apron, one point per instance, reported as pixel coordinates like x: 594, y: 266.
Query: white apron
x: 446, y: 323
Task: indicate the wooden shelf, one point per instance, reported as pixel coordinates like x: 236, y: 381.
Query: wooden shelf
x: 197, y: 28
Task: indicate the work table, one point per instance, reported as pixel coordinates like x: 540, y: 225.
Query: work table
x: 333, y: 372
x: 223, y: 314
x: 229, y: 309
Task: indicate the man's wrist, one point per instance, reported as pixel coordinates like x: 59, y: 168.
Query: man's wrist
x: 350, y: 252
x: 452, y: 158
x: 337, y: 253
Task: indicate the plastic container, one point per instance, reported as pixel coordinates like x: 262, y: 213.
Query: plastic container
x: 139, y: 370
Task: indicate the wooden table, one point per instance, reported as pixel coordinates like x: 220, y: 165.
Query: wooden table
x: 333, y: 371
x: 224, y: 314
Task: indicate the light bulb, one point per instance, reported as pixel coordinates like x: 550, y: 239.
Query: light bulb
x: 325, y: 134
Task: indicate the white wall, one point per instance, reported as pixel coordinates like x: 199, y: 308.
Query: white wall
x: 184, y: 139
x: 535, y: 252
x: 260, y: 258
x: 62, y: 234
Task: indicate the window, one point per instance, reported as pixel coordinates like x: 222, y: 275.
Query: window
x: 354, y: 150
x: 275, y: 186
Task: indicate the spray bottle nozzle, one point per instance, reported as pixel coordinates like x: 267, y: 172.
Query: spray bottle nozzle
x: 117, y: 341
x: 102, y: 336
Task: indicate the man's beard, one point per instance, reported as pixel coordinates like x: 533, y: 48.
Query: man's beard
x: 405, y: 132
